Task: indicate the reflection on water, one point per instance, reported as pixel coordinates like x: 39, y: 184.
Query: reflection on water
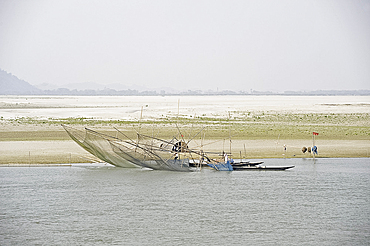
x: 322, y: 203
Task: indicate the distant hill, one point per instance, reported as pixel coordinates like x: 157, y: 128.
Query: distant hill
x: 11, y: 85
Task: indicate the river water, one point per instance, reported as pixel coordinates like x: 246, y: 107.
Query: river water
x: 321, y: 203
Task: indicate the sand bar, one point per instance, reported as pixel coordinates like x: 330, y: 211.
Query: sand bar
x: 259, y: 126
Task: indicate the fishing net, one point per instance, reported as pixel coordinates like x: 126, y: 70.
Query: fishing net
x: 151, y: 152
x: 145, y: 151
x: 102, y: 149
x: 97, y: 146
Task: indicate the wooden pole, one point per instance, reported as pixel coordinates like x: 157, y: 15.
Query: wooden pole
x: 313, y: 139
x: 178, y: 107
x: 245, y: 152
x: 313, y: 144
x: 229, y: 132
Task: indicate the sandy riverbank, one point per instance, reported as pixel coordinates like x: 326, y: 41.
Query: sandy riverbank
x: 44, y: 152
x: 31, y: 132
x: 38, y: 144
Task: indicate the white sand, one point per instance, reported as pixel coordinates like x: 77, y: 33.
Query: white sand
x: 69, y: 151
x: 154, y: 107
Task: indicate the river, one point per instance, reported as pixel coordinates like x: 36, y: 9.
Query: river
x: 325, y: 202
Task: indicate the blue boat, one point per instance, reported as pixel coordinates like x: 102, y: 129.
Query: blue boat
x: 221, y: 166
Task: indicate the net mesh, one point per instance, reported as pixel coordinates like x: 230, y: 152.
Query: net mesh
x: 145, y: 151
x: 97, y: 146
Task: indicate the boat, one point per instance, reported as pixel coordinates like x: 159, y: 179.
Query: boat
x: 221, y: 166
x: 261, y: 167
x: 245, y: 166
x: 245, y: 163
x: 155, y: 153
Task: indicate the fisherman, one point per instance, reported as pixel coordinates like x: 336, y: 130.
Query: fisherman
x: 314, y: 150
x: 176, y: 156
x: 226, y: 157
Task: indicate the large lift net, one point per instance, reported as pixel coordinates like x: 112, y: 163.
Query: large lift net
x: 144, y: 151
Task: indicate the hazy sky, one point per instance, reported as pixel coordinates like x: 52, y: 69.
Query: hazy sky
x: 237, y: 45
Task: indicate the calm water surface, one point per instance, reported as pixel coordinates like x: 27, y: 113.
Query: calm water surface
x: 322, y: 203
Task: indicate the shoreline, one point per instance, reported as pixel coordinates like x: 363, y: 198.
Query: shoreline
x: 50, y: 152
x: 2, y: 165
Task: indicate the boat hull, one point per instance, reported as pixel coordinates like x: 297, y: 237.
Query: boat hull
x: 262, y: 168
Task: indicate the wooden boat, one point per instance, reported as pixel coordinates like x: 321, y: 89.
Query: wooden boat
x: 261, y: 167
x: 245, y: 163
